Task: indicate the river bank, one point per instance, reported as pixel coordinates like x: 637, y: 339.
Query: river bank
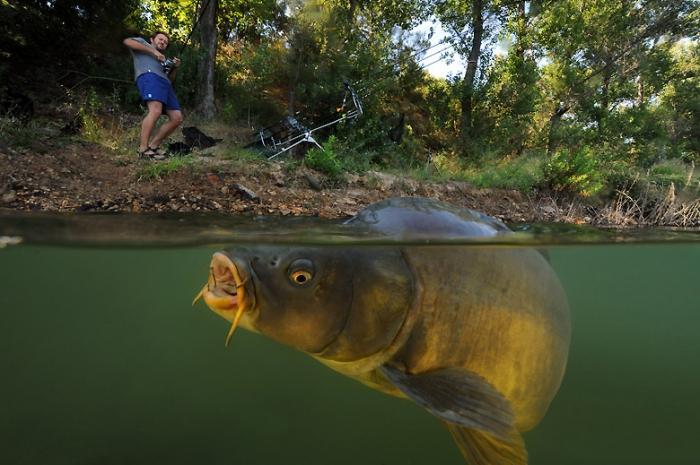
x: 56, y: 173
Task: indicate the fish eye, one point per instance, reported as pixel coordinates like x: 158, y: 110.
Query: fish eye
x: 301, y: 272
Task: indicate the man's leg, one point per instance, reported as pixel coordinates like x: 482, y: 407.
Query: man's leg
x: 174, y: 120
x: 155, y: 109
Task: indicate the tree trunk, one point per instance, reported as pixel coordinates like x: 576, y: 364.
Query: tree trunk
x: 640, y: 91
x: 602, y: 113
x: 205, y: 91
x: 554, y: 121
x: 522, y: 30
x: 520, y: 46
x: 472, y: 64
x: 291, y: 104
x: 351, y: 12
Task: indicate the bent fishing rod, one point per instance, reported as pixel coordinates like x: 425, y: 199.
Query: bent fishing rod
x: 167, y: 64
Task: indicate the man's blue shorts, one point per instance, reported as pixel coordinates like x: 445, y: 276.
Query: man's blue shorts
x: 154, y: 87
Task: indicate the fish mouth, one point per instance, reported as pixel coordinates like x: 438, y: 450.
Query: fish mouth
x: 228, y: 291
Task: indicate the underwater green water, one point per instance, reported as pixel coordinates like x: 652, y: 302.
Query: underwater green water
x: 104, y: 361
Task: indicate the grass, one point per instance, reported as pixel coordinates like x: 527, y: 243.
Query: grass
x: 521, y: 173
x: 15, y: 135
x: 242, y: 154
x: 158, y: 170
x: 666, y: 172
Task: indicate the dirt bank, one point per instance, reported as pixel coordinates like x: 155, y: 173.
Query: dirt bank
x: 56, y: 175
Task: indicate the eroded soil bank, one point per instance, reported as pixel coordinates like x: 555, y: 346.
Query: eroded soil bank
x: 84, y: 177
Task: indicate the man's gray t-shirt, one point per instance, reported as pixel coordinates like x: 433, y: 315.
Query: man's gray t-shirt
x: 144, y: 62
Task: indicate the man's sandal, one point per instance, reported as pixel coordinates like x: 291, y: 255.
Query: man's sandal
x: 151, y: 154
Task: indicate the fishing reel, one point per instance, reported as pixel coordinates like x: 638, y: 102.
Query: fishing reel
x: 168, y: 64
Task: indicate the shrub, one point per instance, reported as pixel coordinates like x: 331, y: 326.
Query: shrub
x: 576, y: 171
x: 666, y: 172
x: 521, y: 173
x: 325, y: 160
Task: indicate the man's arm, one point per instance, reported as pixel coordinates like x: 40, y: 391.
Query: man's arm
x: 139, y: 47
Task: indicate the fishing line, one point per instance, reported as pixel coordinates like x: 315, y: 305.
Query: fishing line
x: 300, y: 134
x: 194, y: 26
x: 371, y: 87
x: 123, y: 81
x: 413, y: 54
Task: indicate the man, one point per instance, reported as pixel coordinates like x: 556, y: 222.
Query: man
x: 156, y: 90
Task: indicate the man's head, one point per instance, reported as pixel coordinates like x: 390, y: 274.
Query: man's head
x: 160, y: 40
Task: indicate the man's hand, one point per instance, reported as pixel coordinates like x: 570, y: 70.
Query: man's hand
x: 136, y: 45
x: 176, y: 62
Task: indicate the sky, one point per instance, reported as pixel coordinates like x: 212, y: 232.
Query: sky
x: 439, y: 68
x: 446, y: 67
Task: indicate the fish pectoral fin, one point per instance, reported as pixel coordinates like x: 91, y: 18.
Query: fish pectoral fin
x: 456, y: 396
x: 482, y: 448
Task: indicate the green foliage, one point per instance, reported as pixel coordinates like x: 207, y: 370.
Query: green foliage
x: 247, y: 76
x: 680, y: 101
x: 99, y: 120
x: 670, y: 171
x: 521, y: 173
x: 325, y: 160
x: 510, y: 98
x: 36, y: 35
x: 16, y: 135
x: 577, y: 171
x: 160, y: 169
x: 608, y: 90
x: 91, y: 128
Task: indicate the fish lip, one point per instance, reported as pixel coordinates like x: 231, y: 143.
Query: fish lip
x: 230, y: 286
x: 248, y: 277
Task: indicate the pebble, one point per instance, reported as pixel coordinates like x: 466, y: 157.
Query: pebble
x: 245, y: 192
x: 9, y: 197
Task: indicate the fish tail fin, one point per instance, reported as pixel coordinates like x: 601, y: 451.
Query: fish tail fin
x: 482, y: 448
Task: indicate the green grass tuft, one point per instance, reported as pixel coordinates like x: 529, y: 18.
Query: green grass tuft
x: 160, y: 169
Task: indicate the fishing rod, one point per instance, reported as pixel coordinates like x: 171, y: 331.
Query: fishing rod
x: 167, y: 64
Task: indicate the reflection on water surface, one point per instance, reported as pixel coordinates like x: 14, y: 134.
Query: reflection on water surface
x: 205, y: 229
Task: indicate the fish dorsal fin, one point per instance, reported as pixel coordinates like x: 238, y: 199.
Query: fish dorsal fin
x: 481, y: 448
x: 456, y: 396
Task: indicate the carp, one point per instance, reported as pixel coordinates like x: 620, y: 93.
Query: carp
x: 476, y: 335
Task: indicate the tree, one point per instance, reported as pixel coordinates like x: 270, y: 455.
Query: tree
x: 595, y: 50
x: 208, y: 43
x: 471, y: 24
x: 43, y: 36
x: 510, y: 91
x: 680, y: 100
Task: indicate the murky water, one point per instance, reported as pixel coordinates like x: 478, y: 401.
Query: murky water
x: 104, y: 361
